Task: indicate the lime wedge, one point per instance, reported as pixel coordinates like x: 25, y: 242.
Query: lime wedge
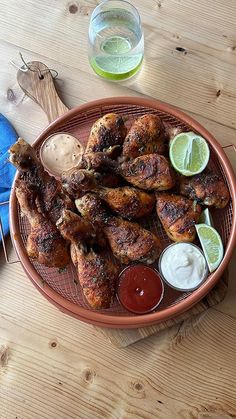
x: 211, y: 244
x: 189, y: 153
x: 206, y: 218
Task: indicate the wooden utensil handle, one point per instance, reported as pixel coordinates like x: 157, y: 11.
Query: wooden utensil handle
x: 37, y: 83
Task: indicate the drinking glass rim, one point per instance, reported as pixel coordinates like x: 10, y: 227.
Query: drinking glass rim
x: 121, y: 1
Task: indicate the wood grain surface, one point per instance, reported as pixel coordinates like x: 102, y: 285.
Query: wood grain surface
x: 122, y: 338
x: 38, y: 84
x: 52, y: 366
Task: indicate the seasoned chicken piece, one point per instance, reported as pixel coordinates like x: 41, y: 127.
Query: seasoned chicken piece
x: 106, y: 132
x: 207, y: 188
x: 111, y: 180
x: 146, y: 136
x: 150, y: 172
x: 91, y: 172
x: 178, y: 215
x: 97, y: 274
x: 128, y: 241
x: 44, y: 243
x: 127, y: 202
x: 76, y: 182
x: 79, y: 229
x: 97, y: 161
x: 49, y: 196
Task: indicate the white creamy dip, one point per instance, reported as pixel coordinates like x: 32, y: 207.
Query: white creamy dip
x: 183, y: 266
x: 60, y: 152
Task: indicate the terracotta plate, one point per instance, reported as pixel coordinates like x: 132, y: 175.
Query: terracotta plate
x: 63, y: 289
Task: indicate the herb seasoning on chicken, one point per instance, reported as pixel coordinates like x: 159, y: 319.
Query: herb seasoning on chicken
x: 97, y: 274
x: 106, y: 132
x: 178, y: 216
x: 146, y: 136
x: 207, y: 188
x: 129, y: 242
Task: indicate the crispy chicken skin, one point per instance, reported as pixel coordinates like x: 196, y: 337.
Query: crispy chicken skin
x: 44, y: 242
x: 150, y: 172
x: 110, y: 180
x: 76, y: 182
x: 93, y: 170
x: 128, y: 241
x: 49, y: 196
x: 178, y: 216
x: 127, y: 202
x: 98, y: 161
x: 146, y: 136
x: 75, y: 229
x: 97, y: 274
x: 207, y: 188
x: 106, y: 132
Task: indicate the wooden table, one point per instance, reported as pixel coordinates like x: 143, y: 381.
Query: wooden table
x: 53, y: 366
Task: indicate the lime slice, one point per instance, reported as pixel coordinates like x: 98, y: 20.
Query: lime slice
x: 189, y: 153
x: 116, y: 45
x: 211, y: 244
x: 116, y: 67
x: 206, y: 218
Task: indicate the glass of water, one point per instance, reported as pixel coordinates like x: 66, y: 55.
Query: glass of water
x: 116, y: 42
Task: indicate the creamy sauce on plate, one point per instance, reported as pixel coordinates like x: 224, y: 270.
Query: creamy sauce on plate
x: 183, y: 266
x: 60, y: 152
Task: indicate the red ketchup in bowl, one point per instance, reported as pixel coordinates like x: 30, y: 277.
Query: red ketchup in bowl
x: 140, y: 289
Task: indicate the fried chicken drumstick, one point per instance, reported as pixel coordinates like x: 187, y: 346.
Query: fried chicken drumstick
x: 97, y: 274
x: 93, y: 169
x: 146, y: 136
x: 178, y: 216
x: 150, y: 172
x: 127, y: 202
x: 49, y: 196
x: 44, y: 242
x: 106, y: 132
x: 207, y: 188
x: 128, y: 241
x: 76, y: 182
x: 41, y: 199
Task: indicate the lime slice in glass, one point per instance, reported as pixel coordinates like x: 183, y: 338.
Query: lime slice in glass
x: 206, y: 218
x: 116, y: 67
x: 189, y: 153
x: 211, y: 244
x: 116, y: 45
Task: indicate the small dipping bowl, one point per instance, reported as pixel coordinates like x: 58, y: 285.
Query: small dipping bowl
x: 185, y: 285
x: 60, y: 152
x: 140, y: 289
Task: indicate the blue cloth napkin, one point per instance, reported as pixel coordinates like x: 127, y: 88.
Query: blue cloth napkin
x: 8, y: 136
